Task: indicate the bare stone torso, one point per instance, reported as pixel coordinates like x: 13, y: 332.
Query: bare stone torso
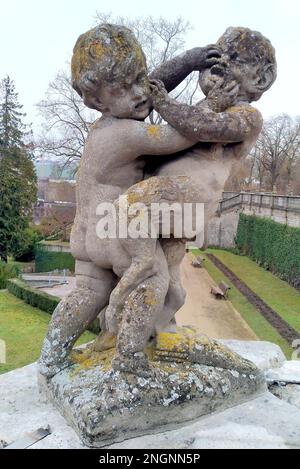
x: 210, y: 166
x: 110, y: 165
x: 101, y: 163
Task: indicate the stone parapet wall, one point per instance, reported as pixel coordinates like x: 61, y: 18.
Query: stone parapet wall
x: 280, y: 208
x: 288, y: 217
x: 222, y: 230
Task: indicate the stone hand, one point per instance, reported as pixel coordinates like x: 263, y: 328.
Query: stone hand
x: 223, y: 94
x: 206, y: 57
x: 159, y: 94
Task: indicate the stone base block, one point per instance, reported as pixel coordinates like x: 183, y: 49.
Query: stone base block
x: 192, y: 376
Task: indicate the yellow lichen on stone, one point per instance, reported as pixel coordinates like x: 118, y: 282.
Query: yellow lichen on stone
x: 171, y: 342
x: 181, y: 342
x: 241, y: 109
x: 154, y: 131
x: 133, y: 198
x: 87, y: 358
x: 97, y: 51
x: 100, y: 46
x: 183, y: 179
x: 150, y: 298
x: 104, y: 341
x: 171, y: 353
x: 150, y: 351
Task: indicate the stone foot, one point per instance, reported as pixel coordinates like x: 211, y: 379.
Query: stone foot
x: 105, y: 341
x: 171, y: 328
x: 136, y: 364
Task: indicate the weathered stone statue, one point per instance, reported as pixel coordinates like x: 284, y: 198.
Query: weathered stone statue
x: 139, y: 361
x: 109, y: 72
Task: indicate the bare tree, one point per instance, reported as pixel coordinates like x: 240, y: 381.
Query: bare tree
x: 295, y: 184
x: 275, y: 159
x: 159, y: 38
x: 57, y: 223
x: 249, y: 164
x: 66, y: 121
x: 238, y: 178
x: 277, y: 147
x: 293, y: 149
x: 260, y: 172
x: 257, y: 172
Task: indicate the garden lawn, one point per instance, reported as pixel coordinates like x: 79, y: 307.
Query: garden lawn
x: 18, y: 264
x: 254, y: 319
x: 23, y: 328
x: 277, y: 293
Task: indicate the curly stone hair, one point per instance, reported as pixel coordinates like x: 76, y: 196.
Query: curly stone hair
x: 106, y: 53
x: 246, y: 46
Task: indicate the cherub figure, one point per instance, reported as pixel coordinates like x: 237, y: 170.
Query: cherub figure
x: 109, y: 72
x: 247, y: 68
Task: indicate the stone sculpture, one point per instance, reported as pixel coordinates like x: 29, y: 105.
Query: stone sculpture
x: 134, y: 284
x: 109, y: 71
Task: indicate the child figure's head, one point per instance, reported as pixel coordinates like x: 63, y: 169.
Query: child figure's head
x: 248, y: 58
x: 109, y: 71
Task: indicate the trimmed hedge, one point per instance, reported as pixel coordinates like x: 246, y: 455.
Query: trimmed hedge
x: 40, y: 299
x: 7, y: 271
x: 46, y: 261
x: 274, y: 246
x: 32, y: 296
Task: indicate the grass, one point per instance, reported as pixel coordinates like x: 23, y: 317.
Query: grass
x: 249, y: 313
x: 277, y: 293
x: 23, y: 328
x: 20, y: 265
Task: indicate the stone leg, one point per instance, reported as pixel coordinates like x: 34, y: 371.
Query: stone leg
x: 145, y: 263
x: 73, y: 315
x: 106, y: 339
x: 139, y: 315
x: 174, y: 250
x: 143, y: 250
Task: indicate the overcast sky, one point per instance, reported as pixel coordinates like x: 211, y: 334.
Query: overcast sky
x: 37, y: 38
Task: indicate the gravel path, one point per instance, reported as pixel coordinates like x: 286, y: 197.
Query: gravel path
x: 283, y: 327
x: 216, y: 318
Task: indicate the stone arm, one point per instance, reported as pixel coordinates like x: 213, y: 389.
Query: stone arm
x: 175, y: 70
x: 204, y: 125
x: 140, y: 139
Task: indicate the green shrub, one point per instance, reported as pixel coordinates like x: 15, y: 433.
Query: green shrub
x: 46, y: 261
x: 31, y: 238
x: 7, y: 271
x: 274, y: 246
x: 33, y: 296
x: 39, y: 299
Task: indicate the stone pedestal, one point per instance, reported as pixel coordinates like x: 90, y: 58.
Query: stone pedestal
x: 192, y: 376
